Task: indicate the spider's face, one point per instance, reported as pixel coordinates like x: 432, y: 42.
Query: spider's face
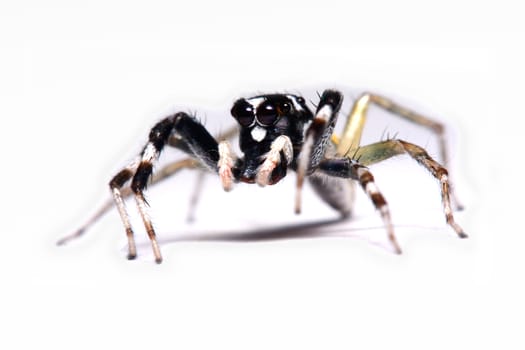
x: 269, y: 115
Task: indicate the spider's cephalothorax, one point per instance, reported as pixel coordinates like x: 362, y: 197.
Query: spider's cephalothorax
x: 262, y: 119
x: 279, y: 132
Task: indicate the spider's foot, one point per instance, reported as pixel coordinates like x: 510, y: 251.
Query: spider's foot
x: 397, y: 248
x: 74, y: 235
x: 132, y: 256
x: 462, y: 235
x: 156, y: 251
x: 456, y: 227
x: 395, y: 245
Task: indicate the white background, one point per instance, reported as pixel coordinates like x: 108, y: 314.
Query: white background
x: 81, y: 83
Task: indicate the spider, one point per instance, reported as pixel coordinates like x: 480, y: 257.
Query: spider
x: 279, y: 132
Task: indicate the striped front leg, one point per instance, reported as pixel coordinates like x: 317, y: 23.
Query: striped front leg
x: 198, y: 142
x: 317, y: 138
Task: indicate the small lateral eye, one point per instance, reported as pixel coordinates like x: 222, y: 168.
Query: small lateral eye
x: 267, y: 114
x: 285, y: 108
x: 243, y: 113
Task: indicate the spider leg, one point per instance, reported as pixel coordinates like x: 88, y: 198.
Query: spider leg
x: 351, y: 135
x: 380, y: 151
x: 316, y: 139
x: 350, y: 169
x: 201, y: 144
x: 162, y: 174
x: 115, y: 185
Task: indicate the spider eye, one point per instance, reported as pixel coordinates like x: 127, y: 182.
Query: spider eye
x: 285, y: 108
x: 267, y: 114
x: 243, y: 113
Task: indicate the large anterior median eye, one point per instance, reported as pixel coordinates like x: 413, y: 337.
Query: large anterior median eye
x: 267, y: 114
x: 243, y: 113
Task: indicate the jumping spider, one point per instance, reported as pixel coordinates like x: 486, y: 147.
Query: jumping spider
x: 278, y: 132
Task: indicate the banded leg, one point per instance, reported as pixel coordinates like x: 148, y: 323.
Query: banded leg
x: 316, y: 139
x: 351, y: 136
x: 126, y: 192
x: 347, y: 168
x: 160, y: 175
x: 115, y: 185
x: 197, y: 139
x: 380, y: 151
x: 140, y: 173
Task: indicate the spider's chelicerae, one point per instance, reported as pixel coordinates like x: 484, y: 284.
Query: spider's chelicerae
x: 277, y: 133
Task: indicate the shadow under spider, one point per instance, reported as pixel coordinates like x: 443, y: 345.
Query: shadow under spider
x: 321, y: 228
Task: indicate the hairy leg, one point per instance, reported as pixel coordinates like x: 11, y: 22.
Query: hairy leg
x: 201, y: 144
x: 349, y: 142
x: 380, y: 151
x: 317, y: 139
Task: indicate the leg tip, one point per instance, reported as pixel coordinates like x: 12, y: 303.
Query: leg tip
x: 395, y: 246
x: 158, y: 260
x: 462, y: 235
x: 132, y: 256
x: 65, y: 240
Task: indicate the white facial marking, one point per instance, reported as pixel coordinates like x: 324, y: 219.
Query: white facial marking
x: 258, y: 133
x: 296, y: 104
x: 255, y: 102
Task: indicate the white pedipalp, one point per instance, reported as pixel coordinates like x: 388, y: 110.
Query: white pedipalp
x: 225, y: 165
x: 273, y: 158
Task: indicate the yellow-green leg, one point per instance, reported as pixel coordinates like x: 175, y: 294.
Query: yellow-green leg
x: 349, y: 141
x: 380, y: 151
